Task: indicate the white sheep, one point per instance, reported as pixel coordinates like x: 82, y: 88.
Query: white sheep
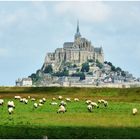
x: 29, y: 97
x: 40, y: 104
x: 25, y: 101
x: 60, y: 97
x: 89, y: 107
x: 105, y: 103
x: 68, y: 99
x: 53, y: 103
x: 53, y: 98
x: 63, y: 103
x: 33, y: 99
x: 44, y: 99
x: 102, y: 101
x: 11, y: 104
x: 134, y: 111
x: 94, y: 104
x: 35, y: 105
x: 17, y: 97
x: 61, y: 109
x: 21, y: 100
x: 1, y: 101
x: 10, y: 110
x: 76, y: 99
x: 41, y: 101
x: 88, y: 101
x: 99, y: 101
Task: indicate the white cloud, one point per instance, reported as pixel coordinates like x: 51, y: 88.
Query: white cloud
x: 86, y: 11
x: 23, y: 15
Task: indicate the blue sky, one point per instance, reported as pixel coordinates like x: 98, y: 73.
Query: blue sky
x: 30, y: 29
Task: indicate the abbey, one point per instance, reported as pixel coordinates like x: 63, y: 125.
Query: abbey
x: 76, y: 52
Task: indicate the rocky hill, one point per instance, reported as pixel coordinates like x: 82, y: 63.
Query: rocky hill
x: 89, y: 72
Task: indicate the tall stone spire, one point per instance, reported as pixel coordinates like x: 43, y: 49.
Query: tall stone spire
x: 77, y: 34
x: 78, y: 26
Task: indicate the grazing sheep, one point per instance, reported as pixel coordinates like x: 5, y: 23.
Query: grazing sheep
x: 68, y: 99
x: 17, y: 97
x: 60, y: 97
x: 10, y: 110
x: 40, y: 104
x: 105, y: 103
x: 33, y: 99
x: 53, y: 98
x: 1, y: 101
x: 29, y: 97
x: 63, y: 103
x: 44, y: 99
x: 99, y: 101
x: 35, y: 105
x: 41, y: 101
x: 134, y: 111
x: 89, y: 107
x: 76, y: 99
x: 88, y: 101
x: 53, y: 103
x: 26, y: 101
x: 21, y: 100
x: 94, y: 104
x: 102, y: 101
x: 11, y: 104
x: 61, y: 109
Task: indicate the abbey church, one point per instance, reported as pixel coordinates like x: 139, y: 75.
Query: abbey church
x: 76, y: 52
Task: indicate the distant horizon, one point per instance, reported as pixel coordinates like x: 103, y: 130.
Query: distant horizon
x: 30, y: 29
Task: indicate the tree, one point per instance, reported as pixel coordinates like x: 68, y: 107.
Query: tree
x: 74, y: 66
x: 113, y: 68
x: 90, y: 73
x: 90, y: 60
x: 48, y: 69
x: 85, y: 67
x: 123, y: 73
x: 79, y: 74
x: 82, y: 76
x: 118, y: 69
x: 98, y: 64
x: 68, y: 64
x: 110, y: 64
x: 65, y: 72
x: 33, y: 76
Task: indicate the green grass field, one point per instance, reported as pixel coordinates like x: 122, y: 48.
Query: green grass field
x: 115, y: 121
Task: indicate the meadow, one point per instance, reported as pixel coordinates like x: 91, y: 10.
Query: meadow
x: 114, y: 121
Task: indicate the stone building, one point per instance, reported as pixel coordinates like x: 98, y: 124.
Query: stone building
x: 76, y: 52
x: 24, y: 82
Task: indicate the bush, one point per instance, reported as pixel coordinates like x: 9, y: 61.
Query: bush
x: 85, y: 67
x: 98, y: 64
x: 48, y: 69
x: 80, y: 74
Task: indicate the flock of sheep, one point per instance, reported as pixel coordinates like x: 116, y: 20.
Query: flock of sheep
x: 62, y: 104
